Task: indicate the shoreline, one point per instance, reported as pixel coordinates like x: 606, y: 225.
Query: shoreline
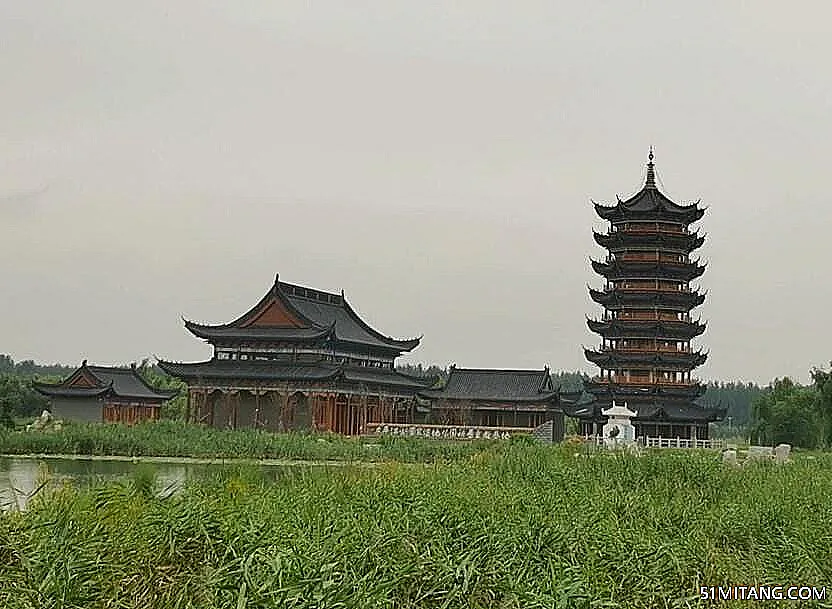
x: 195, y: 460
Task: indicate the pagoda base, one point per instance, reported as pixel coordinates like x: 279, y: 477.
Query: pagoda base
x: 653, y: 429
x: 655, y: 419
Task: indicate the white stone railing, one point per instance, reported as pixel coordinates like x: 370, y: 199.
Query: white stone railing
x: 681, y: 443
x: 446, y: 432
x: 649, y: 442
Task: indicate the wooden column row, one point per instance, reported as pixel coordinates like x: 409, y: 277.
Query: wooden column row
x: 129, y: 414
x: 349, y: 414
x: 342, y: 413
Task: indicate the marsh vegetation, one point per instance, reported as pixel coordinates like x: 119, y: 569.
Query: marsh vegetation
x: 510, y: 525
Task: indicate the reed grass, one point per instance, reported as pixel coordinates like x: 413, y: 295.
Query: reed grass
x: 523, y: 527
x: 176, y: 439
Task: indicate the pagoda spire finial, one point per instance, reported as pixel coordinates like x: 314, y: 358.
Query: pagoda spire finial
x: 651, y: 171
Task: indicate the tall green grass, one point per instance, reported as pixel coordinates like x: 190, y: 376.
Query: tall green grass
x: 175, y: 439
x: 526, y: 527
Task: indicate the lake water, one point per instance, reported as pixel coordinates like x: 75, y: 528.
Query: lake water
x: 20, y: 477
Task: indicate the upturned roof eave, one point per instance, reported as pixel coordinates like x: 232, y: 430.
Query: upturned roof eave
x: 59, y: 389
x: 274, y: 293
x: 217, y: 333
x: 407, y: 344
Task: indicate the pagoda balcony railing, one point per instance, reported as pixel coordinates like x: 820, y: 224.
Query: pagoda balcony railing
x: 657, y: 349
x: 663, y: 442
x: 648, y: 286
x: 646, y: 316
x: 642, y: 229
x: 641, y: 380
x: 649, y: 257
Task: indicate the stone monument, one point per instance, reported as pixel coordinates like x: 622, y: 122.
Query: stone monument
x: 618, y: 430
x: 781, y: 453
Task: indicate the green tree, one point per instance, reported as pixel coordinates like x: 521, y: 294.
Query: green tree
x: 176, y: 407
x: 787, y: 413
x: 18, y: 397
x: 736, y: 396
x: 822, y: 381
x: 569, y: 382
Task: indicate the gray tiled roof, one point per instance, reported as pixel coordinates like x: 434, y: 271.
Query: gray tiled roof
x: 348, y: 325
x: 678, y: 412
x: 320, y: 314
x: 126, y: 382
x: 664, y: 392
x: 265, y: 371
x: 640, y: 328
x: 650, y: 201
x: 495, y: 385
x: 384, y: 376
x: 57, y: 390
x: 246, y: 369
x: 263, y: 333
x: 122, y: 382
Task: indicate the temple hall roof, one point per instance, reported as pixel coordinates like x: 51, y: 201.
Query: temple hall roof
x: 91, y: 381
x: 290, y: 312
x: 496, y: 385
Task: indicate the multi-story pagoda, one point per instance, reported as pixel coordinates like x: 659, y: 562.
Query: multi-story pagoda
x: 298, y: 359
x: 645, y: 356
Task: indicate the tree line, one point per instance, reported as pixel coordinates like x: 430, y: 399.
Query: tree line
x: 783, y: 411
x: 796, y: 414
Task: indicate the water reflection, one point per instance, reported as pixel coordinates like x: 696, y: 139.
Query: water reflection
x: 21, y: 478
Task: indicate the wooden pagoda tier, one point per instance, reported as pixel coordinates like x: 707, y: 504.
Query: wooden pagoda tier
x: 669, y: 239
x: 645, y: 355
x: 645, y: 325
x: 298, y: 359
x: 616, y: 299
x: 625, y: 266
x: 656, y: 356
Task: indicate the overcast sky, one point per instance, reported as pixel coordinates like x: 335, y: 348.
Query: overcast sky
x: 161, y: 159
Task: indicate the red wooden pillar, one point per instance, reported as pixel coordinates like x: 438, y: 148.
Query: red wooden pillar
x: 362, y: 429
x: 313, y: 405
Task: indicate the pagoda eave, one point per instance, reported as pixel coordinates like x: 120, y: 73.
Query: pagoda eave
x: 629, y: 390
x: 615, y: 299
x: 620, y: 213
x: 647, y: 329
x: 620, y: 240
x: 679, y: 361
x: 621, y: 269
x: 653, y: 410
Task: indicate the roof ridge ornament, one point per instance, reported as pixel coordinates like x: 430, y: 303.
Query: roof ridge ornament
x: 651, y: 171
